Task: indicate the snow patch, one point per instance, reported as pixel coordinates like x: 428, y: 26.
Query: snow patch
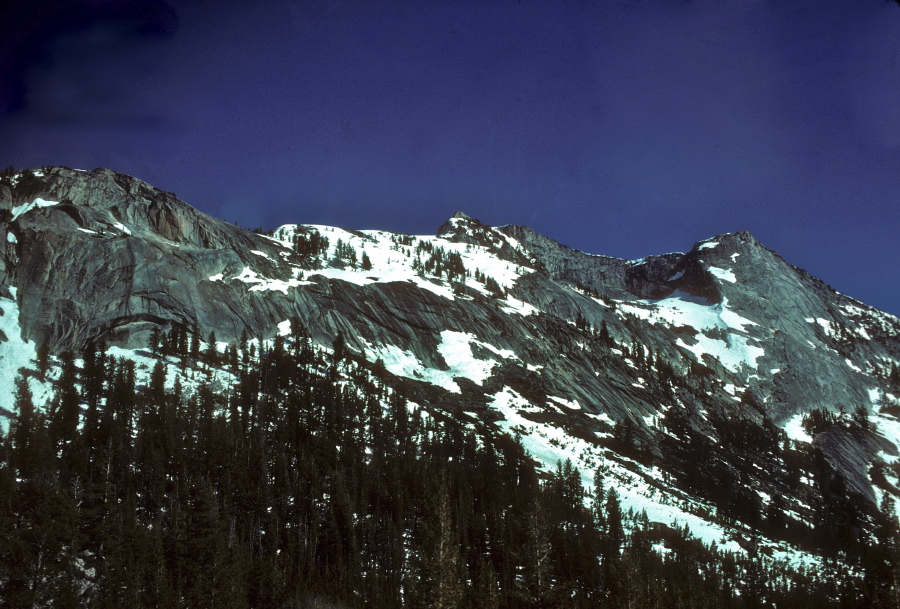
x: 15, y: 352
x: 733, y: 353
x: 520, y: 307
x: 723, y: 274
x: 284, y: 328
x: 455, y: 348
x: 794, y: 429
x: 394, y: 259
x: 27, y: 207
x: 262, y: 284
x: 570, y: 404
x: 681, y: 309
x: 551, y: 445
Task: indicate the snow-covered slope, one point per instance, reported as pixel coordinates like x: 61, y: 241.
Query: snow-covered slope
x: 627, y: 366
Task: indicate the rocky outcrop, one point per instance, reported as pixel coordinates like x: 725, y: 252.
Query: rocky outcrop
x: 726, y: 327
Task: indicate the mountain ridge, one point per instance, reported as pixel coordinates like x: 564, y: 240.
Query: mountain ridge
x: 498, y: 326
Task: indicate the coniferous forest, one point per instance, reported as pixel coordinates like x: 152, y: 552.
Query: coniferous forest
x: 309, y: 482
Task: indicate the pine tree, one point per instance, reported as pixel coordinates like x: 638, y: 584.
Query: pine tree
x: 22, y: 429
x: 194, y: 345
x: 67, y: 407
x: 156, y: 339
x: 43, y: 359
x: 436, y: 573
x: 485, y: 592
x: 535, y: 553
x: 580, y: 322
x: 882, y: 562
x: 597, y: 500
x: 339, y: 347
x: 613, y: 579
x: 211, y: 356
x: 615, y: 534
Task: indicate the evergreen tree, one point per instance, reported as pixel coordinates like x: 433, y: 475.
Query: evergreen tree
x: 536, y: 551
x: 882, y: 564
x: 43, y: 359
x: 211, y: 357
x: 67, y: 403
x: 436, y: 582
x: 23, y: 428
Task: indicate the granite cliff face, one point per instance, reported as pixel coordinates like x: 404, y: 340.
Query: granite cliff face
x: 483, y: 323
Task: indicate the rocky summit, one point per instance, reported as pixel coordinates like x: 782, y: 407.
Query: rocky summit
x: 712, y: 387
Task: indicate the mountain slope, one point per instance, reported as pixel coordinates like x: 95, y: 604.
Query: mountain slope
x: 686, y: 376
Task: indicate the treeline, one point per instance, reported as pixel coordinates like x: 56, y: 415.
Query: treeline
x: 308, y: 483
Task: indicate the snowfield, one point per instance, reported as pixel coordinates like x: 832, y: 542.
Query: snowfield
x: 719, y: 333
x: 456, y: 350
x: 735, y: 352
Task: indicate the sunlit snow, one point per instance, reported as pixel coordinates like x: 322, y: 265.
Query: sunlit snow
x: 456, y: 350
x: 681, y: 309
x: 15, y: 353
x: 794, y: 429
x: 571, y: 404
x: 284, y: 328
x: 392, y: 261
x: 27, y: 207
x: 551, y: 445
x: 723, y: 274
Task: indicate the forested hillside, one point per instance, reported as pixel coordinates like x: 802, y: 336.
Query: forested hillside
x: 307, y: 482
x: 195, y: 414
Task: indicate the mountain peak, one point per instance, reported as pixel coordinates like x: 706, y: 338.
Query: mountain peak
x: 459, y: 222
x: 735, y: 239
x: 683, y: 363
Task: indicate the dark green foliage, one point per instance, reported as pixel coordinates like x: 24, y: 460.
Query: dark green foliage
x: 818, y: 420
x: 491, y: 285
x: 211, y: 355
x: 313, y: 484
x: 581, y: 323
x: 604, y: 336
x: 310, y: 246
x: 345, y: 251
x: 23, y: 458
x: 439, y: 262
x: 894, y: 377
x: 43, y: 359
x: 66, y: 408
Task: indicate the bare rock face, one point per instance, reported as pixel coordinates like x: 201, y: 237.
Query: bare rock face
x: 727, y: 327
x: 114, y: 256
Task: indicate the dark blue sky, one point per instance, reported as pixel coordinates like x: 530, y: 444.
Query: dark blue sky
x: 619, y: 127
